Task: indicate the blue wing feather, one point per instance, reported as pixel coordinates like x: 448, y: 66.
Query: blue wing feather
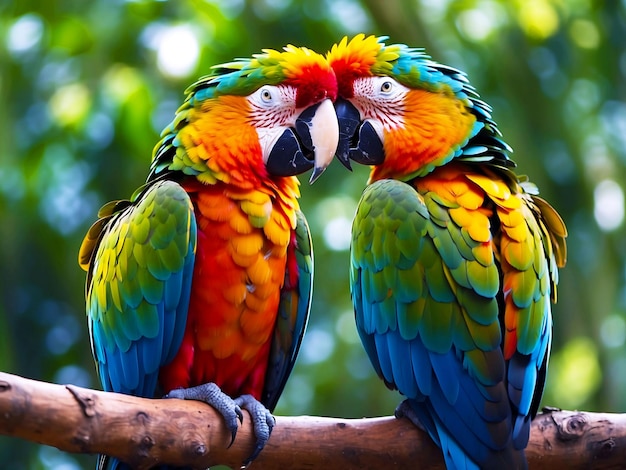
x: 137, y: 300
x: 423, y: 346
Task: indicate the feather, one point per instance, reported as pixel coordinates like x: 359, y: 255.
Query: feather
x: 126, y: 309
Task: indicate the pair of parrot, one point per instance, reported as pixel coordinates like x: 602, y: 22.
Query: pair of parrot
x: 199, y: 286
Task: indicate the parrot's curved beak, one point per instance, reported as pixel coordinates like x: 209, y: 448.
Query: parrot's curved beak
x: 358, y: 140
x: 311, y: 144
x: 323, y: 129
x: 349, y: 120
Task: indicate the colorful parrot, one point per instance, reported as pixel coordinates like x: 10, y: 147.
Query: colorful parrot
x: 199, y: 287
x: 453, y: 259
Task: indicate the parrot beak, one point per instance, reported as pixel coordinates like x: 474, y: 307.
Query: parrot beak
x: 366, y: 147
x: 349, y: 120
x: 323, y: 130
x: 312, y: 144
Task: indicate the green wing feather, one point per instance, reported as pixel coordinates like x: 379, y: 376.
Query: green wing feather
x: 398, y: 230
x: 139, y: 256
x: 293, y: 312
x: 465, y: 270
x: 433, y: 332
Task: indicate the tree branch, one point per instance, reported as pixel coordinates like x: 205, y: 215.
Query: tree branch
x: 144, y: 432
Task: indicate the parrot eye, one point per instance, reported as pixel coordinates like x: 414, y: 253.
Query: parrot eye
x: 266, y: 95
x: 386, y: 86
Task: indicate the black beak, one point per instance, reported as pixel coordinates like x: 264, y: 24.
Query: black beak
x: 310, y: 144
x: 357, y: 141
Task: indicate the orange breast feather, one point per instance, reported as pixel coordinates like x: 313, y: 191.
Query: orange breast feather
x: 238, y: 275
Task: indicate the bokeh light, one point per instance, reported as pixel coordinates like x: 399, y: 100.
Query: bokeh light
x: 70, y: 104
x: 608, y: 205
x: 585, y: 34
x: 337, y: 233
x: 538, y: 18
x: 575, y: 372
x: 24, y: 34
x: 177, y: 48
x: 613, y: 331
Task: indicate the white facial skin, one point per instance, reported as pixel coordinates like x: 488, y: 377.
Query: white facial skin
x: 274, y: 110
x: 380, y: 101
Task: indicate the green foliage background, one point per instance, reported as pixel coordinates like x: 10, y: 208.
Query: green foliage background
x: 84, y: 96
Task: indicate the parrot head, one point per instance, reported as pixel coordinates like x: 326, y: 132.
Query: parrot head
x: 405, y: 114
x: 252, y: 119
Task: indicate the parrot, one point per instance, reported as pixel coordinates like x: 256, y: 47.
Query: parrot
x: 199, y: 286
x: 454, y: 258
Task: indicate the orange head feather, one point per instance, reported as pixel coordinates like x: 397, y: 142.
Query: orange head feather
x: 434, y: 116
x: 214, y: 133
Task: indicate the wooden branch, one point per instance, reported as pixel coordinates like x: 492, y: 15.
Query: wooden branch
x: 145, y: 432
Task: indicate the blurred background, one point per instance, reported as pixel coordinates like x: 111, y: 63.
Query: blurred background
x: 86, y: 88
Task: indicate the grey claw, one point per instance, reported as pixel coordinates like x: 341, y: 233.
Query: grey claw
x: 262, y: 421
x: 405, y: 410
x: 211, y: 394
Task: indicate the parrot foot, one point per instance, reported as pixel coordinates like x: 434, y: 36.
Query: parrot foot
x: 262, y: 421
x: 405, y: 410
x: 211, y: 394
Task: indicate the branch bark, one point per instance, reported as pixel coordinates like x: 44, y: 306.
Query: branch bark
x: 145, y: 432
